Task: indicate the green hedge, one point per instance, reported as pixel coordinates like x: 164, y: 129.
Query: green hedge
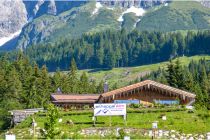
x: 155, y: 110
x: 129, y: 110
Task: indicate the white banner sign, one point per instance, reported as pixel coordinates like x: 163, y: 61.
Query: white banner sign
x: 109, y: 109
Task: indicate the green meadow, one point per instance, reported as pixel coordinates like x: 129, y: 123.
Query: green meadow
x: 122, y: 76
x: 178, y: 119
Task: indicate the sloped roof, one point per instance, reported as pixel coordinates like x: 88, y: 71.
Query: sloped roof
x: 149, y: 83
x: 76, y: 98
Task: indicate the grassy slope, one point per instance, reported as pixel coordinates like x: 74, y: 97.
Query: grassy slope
x: 180, y: 121
x: 179, y: 15
x: 122, y: 76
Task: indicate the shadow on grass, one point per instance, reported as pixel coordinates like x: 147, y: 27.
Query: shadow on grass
x: 99, y: 69
x: 89, y: 123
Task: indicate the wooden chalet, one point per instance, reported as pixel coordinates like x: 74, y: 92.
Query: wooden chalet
x: 74, y: 100
x: 146, y: 92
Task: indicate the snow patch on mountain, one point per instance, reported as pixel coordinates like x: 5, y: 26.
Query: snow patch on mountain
x: 110, y: 8
x: 4, y: 40
x: 98, y: 6
x: 132, y: 9
x: 134, y: 26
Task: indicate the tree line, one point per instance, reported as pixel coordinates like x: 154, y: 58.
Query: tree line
x: 25, y: 85
x: 194, y: 78
x: 111, y: 49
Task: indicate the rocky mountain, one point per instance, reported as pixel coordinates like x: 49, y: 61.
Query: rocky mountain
x: 205, y: 3
x: 12, y: 19
x: 137, y: 3
x: 15, y: 14
x: 48, y: 21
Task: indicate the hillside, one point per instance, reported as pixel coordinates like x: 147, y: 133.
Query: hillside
x: 122, y: 76
x: 79, y: 20
x: 178, y: 15
x: 52, y: 21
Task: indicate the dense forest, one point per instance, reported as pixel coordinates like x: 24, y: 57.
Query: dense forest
x: 23, y: 85
x: 119, y: 49
x: 194, y: 78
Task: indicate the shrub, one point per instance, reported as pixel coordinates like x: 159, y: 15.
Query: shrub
x: 121, y: 133
x: 134, y: 105
x: 64, y: 136
x: 26, y: 123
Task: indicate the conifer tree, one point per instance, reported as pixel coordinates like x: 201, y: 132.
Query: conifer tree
x: 171, y: 74
x: 84, y: 84
x: 72, y: 78
x: 44, y: 88
x: 204, y: 84
x: 57, y: 79
x: 188, y: 81
x: 178, y: 74
x: 100, y: 87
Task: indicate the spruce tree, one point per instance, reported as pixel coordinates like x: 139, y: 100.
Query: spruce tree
x: 72, y: 78
x: 171, y: 74
x: 204, y: 84
x: 44, y: 87
x: 188, y: 81
x: 57, y: 80
x: 100, y: 87
x: 84, y: 84
x: 179, y: 74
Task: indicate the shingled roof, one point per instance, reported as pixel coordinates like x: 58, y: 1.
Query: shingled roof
x: 74, y: 98
x: 149, y: 84
x: 144, y: 85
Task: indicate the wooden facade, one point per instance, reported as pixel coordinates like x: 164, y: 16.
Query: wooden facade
x: 146, y: 91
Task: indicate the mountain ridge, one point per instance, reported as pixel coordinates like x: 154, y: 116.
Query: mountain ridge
x: 48, y: 21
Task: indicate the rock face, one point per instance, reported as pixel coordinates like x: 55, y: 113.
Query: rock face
x: 13, y: 17
x: 40, y: 7
x: 15, y: 14
x: 137, y: 3
x: 205, y: 3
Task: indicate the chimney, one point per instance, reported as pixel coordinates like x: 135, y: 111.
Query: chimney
x: 59, y: 91
x: 106, y: 87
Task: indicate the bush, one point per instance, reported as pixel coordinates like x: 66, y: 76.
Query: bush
x: 190, y: 111
x: 26, y: 123
x: 64, y: 136
x: 135, y: 105
x: 121, y: 133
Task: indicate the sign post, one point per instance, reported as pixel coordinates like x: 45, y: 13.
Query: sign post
x: 154, y: 128
x: 111, y: 109
x: 125, y: 117
x: 94, y: 120
x: 34, y: 124
x: 110, y: 120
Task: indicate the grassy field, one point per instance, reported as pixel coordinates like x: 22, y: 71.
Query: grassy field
x: 178, y: 15
x: 182, y: 121
x: 122, y: 76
